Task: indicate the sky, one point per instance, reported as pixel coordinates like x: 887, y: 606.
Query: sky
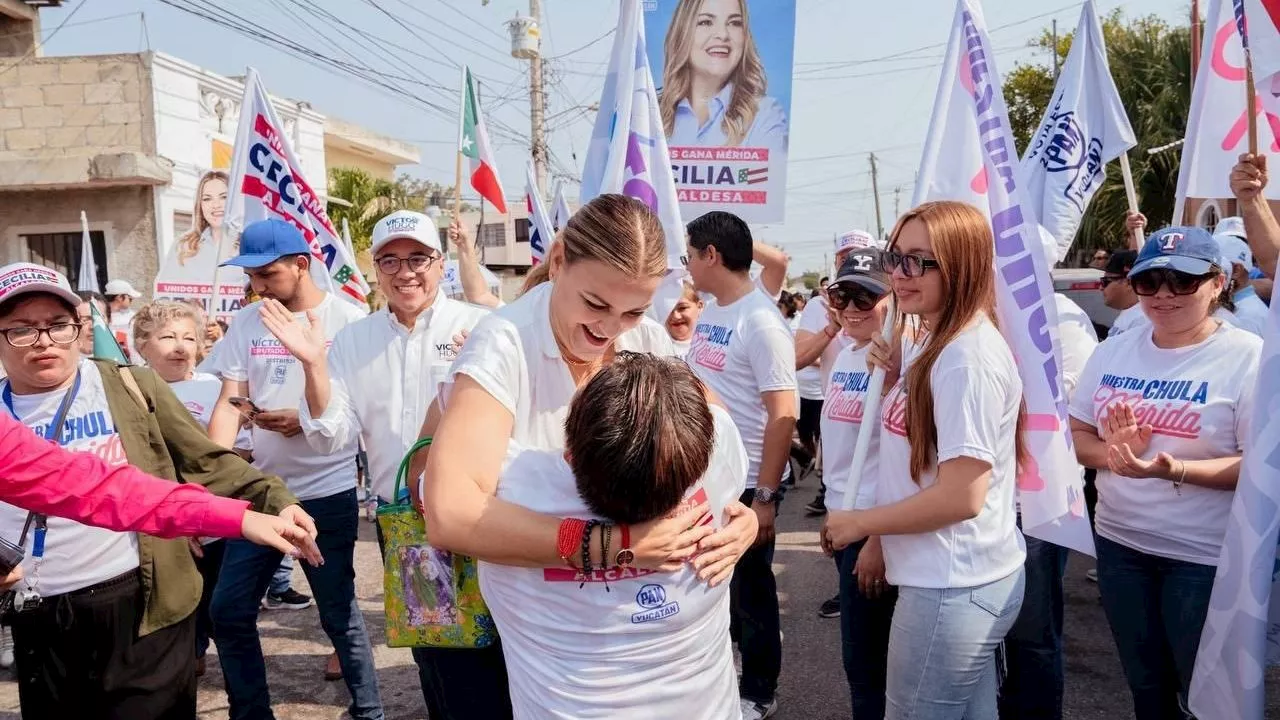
x: 864, y: 80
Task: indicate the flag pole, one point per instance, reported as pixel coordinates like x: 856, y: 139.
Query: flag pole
x: 870, y: 414
x: 1135, y: 239
x: 457, y: 168
x: 1252, y: 102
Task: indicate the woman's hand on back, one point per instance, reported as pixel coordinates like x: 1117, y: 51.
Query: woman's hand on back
x: 720, y: 551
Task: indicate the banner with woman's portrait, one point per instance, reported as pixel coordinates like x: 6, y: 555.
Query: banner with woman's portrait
x: 723, y: 69
x: 188, y: 269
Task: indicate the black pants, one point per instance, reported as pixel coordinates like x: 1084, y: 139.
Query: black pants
x: 753, y: 600
x: 78, y: 655
x: 462, y: 684
x: 810, y: 423
x: 208, y: 565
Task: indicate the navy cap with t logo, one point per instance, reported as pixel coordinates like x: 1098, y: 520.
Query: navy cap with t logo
x: 266, y: 241
x: 1191, y: 250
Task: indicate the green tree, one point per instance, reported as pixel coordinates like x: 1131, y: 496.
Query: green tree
x: 1151, y: 64
x: 371, y: 198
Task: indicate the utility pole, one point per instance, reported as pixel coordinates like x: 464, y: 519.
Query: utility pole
x: 537, y: 106
x: 1055, y: 51
x: 897, y: 196
x: 875, y: 191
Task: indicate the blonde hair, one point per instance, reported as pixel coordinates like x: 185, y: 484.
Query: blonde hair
x: 749, y: 82
x: 151, y: 319
x: 612, y: 229
x: 189, y: 243
x: 965, y: 250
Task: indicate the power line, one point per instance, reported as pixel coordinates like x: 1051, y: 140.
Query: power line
x: 40, y: 44
x: 584, y: 47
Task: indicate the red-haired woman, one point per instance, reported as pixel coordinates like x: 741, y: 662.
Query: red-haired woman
x: 948, y: 459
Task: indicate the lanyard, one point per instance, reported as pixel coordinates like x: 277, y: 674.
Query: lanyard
x: 55, y: 432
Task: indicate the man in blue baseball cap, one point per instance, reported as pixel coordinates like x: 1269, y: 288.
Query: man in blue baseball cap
x: 254, y: 364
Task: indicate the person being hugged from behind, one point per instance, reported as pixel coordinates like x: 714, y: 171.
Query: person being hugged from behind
x: 1162, y: 412
x: 610, y: 640
x: 945, y: 511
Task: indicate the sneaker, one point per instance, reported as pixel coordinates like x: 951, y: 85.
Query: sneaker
x: 288, y: 600
x: 6, y: 648
x: 752, y: 710
x: 830, y: 608
x: 1091, y: 575
x: 817, y: 507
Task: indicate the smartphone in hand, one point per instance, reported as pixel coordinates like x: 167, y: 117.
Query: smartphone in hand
x: 246, y: 406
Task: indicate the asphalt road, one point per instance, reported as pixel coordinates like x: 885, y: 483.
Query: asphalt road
x: 812, y: 684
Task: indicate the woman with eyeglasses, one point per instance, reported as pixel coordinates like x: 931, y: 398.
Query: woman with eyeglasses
x: 859, y: 297
x: 1162, y: 412
x: 950, y: 443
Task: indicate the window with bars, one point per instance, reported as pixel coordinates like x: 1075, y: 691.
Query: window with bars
x: 522, y: 230
x: 61, y: 251
x: 493, y: 234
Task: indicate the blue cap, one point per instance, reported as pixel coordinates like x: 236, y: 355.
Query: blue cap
x: 1191, y: 250
x: 266, y: 241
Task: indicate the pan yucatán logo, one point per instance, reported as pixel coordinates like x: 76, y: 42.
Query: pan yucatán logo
x: 1063, y: 147
x: 653, y: 599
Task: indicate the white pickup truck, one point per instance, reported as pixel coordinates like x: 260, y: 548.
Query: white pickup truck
x: 1084, y: 286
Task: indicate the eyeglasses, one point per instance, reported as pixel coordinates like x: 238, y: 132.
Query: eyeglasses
x: 391, y: 264
x: 913, y: 266
x: 1108, y: 280
x: 840, y: 295
x: 1149, y: 282
x: 25, y: 337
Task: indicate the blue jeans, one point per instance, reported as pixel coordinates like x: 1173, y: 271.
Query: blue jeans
x: 1156, y: 608
x: 942, y: 650
x: 282, y: 578
x: 864, y: 637
x: 1032, y: 689
x: 246, y: 572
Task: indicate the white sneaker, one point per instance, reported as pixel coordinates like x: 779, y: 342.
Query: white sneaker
x: 6, y: 648
x: 752, y: 710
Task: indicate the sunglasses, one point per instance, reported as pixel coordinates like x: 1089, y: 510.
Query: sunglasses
x: 913, y: 266
x: 1112, y: 279
x: 1149, y: 282
x: 841, y: 295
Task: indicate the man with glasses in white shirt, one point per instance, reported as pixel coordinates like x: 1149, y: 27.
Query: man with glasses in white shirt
x: 376, y: 382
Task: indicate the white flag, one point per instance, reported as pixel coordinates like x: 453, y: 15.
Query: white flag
x: 1263, y: 18
x: 560, y: 212
x: 969, y: 143
x: 267, y: 182
x: 1218, y: 122
x: 540, y: 232
x: 88, y: 269
x: 628, y: 149
x: 1084, y: 128
x: 1241, y: 633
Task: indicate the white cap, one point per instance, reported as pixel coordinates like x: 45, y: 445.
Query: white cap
x: 1231, y: 226
x: 857, y: 240
x: 22, y: 278
x: 406, y: 224
x: 1234, y: 250
x: 120, y: 287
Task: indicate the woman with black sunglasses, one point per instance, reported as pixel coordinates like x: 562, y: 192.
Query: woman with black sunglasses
x: 859, y: 298
x: 1162, y: 412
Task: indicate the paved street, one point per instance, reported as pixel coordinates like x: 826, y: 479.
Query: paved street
x: 812, y: 687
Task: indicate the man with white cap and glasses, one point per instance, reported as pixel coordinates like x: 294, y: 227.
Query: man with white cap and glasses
x: 376, y: 382
x: 1250, y: 310
x: 255, y: 366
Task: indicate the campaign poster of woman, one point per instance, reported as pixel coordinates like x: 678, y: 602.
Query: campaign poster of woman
x: 188, y: 269
x: 723, y: 70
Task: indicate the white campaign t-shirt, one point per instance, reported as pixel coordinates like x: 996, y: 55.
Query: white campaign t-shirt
x: 682, y: 346
x: 75, y: 556
x: 1077, y: 338
x: 276, y: 382
x: 1197, y: 400
x: 841, y: 423
x: 808, y: 379
x: 976, y: 399
x: 513, y: 355
x: 813, y: 319
x: 618, y: 643
x: 200, y: 395
x: 1251, y: 311
x: 740, y: 351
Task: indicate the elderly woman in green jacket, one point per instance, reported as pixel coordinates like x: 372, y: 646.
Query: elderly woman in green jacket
x: 103, y: 622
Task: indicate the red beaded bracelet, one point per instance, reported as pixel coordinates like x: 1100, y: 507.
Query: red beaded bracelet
x: 569, y: 538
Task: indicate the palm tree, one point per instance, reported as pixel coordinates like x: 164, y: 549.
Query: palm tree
x: 369, y: 199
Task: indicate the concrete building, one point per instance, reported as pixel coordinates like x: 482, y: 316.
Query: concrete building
x: 125, y: 138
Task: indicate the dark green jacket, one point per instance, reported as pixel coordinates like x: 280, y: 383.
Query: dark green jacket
x: 162, y: 439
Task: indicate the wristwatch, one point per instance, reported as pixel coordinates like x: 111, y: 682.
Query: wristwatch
x: 765, y: 496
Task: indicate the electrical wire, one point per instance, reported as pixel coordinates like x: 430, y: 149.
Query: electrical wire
x: 36, y: 46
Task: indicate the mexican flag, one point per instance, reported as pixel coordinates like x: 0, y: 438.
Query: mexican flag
x: 473, y: 142
x: 105, y: 346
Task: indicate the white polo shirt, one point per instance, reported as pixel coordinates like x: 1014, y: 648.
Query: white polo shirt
x: 383, y: 377
x: 513, y: 355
